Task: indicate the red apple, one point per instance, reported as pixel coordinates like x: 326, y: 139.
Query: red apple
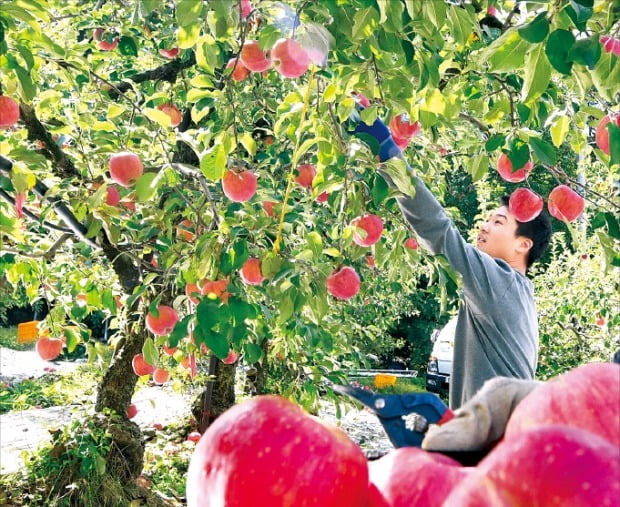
x: 102, y: 41
x: 268, y: 451
x: 125, y: 168
x: 239, y: 186
x: 370, y: 260
x: 140, y: 366
x: 113, y: 196
x: 169, y: 351
x: 411, y: 243
x: 246, y: 8
x: 186, y: 230
x: 49, y: 348
x: 231, y: 358
x: 173, y: 112
x: 169, y: 53
x: 343, y: 283
x: 585, y: 398
x: 401, y: 127
x: 525, y: 205
x: 600, y: 321
x: 251, y: 272
x: 565, y: 204
x: 253, y: 57
x: 410, y: 476
x: 240, y: 72
x: 371, y: 229
x: 194, y: 436
x: 216, y: 288
x: 161, y: 376
x: 191, y: 291
x: 164, y: 323
x: 132, y: 411
x: 268, y: 207
x: 554, y: 465
x: 401, y: 142
x: 158, y: 426
x: 9, y: 111
x: 361, y: 99
x: 289, y: 58
x: 504, y: 168
x: 602, y: 135
x: 322, y: 197
x: 305, y: 175
x: 492, y: 11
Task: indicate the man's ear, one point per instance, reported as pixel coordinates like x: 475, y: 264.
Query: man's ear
x: 524, y: 245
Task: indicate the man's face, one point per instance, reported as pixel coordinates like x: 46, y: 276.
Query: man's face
x: 497, y: 236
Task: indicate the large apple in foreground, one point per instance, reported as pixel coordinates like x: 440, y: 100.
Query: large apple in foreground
x: 289, y: 58
x: 410, y: 477
x: 239, y: 186
x: 587, y: 398
x: 49, y: 348
x: 268, y: 451
x: 552, y: 465
x: 525, y: 205
x: 163, y: 323
x: 253, y: 57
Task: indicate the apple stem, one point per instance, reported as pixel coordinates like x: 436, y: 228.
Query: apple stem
x: 289, y: 184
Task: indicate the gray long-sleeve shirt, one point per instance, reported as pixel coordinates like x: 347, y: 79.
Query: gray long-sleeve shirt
x: 497, y: 328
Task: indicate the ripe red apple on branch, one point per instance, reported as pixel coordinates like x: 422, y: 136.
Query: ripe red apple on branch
x: 173, y: 112
x: 169, y: 53
x: 253, y: 57
x: 9, y: 111
x: 565, y: 204
x: 161, y: 376
x: 371, y: 229
x: 251, y: 272
x: 140, y: 366
x: 163, y: 323
x: 289, y: 58
x: 305, y: 175
x: 525, y: 204
x: 102, y: 42
x: 602, y: 134
x: 240, y: 71
x: 239, y: 185
x: 125, y: 168
x: 343, y: 283
x: 268, y: 451
x: 506, y: 171
x: 113, y: 196
x: 49, y: 348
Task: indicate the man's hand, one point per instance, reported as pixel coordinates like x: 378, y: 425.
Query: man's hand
x: 479, y: 423
x: 378, y: 131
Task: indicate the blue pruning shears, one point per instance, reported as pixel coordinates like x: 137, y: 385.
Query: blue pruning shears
x: 405, y: 417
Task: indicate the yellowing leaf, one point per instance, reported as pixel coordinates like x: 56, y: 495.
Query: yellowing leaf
x: 248, y: 143
x: 435, y: 102
x: 114, y: 110
x: 157, y: 116
x: 106, y: 126
x: 559, y: 129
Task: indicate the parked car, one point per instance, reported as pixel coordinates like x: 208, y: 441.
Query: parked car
x: 439, y: 366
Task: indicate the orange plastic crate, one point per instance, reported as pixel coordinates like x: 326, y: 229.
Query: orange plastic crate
x: 384, y: 380
x: 28, y: 331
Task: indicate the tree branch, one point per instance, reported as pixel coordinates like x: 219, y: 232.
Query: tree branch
x: 32, y: 216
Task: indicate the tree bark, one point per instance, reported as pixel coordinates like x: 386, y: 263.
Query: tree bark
x: 216, y: 398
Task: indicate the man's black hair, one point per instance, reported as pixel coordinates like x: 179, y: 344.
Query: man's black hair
x: 537, y: 229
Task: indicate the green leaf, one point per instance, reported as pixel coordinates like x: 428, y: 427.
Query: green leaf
x: 147, y: 186
x: 211, y: 163
x: 559, y: 129
x: 315, y: 243
x: 435, y: 12
x: 27, y: 87
x: 188, y: 12
x: 379, y: 190
x: 579, y: 14
x: 494, y: 142
x: 403, y: 180
x: 364, y: 23
x: 478, y: 167
x: 150, y: 353
x: 248, y: 143
x: 519, y: 153
x: 460, y: 23
x: 157, y: 116
x: 544, y: 151
x: 305, y: 146
x: 128, y: 46
x: 187, y: 36
x: 71, y: 338
x: 506, y: 53
x: 536, y: 30
x: 558, y: 46
x: 180, y: 331
x: 537, y: 74
x: 586, y: 51
x: 252, y: 353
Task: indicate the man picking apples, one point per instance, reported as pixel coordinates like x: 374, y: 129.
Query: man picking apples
x: 497, y: 330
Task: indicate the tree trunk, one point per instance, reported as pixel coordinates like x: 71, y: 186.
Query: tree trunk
x: 217, y: 397
x: 115, y: 392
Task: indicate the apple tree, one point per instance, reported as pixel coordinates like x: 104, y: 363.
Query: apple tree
x: 190, y: 164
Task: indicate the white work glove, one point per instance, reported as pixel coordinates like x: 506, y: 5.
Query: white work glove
x: 480, y: 422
